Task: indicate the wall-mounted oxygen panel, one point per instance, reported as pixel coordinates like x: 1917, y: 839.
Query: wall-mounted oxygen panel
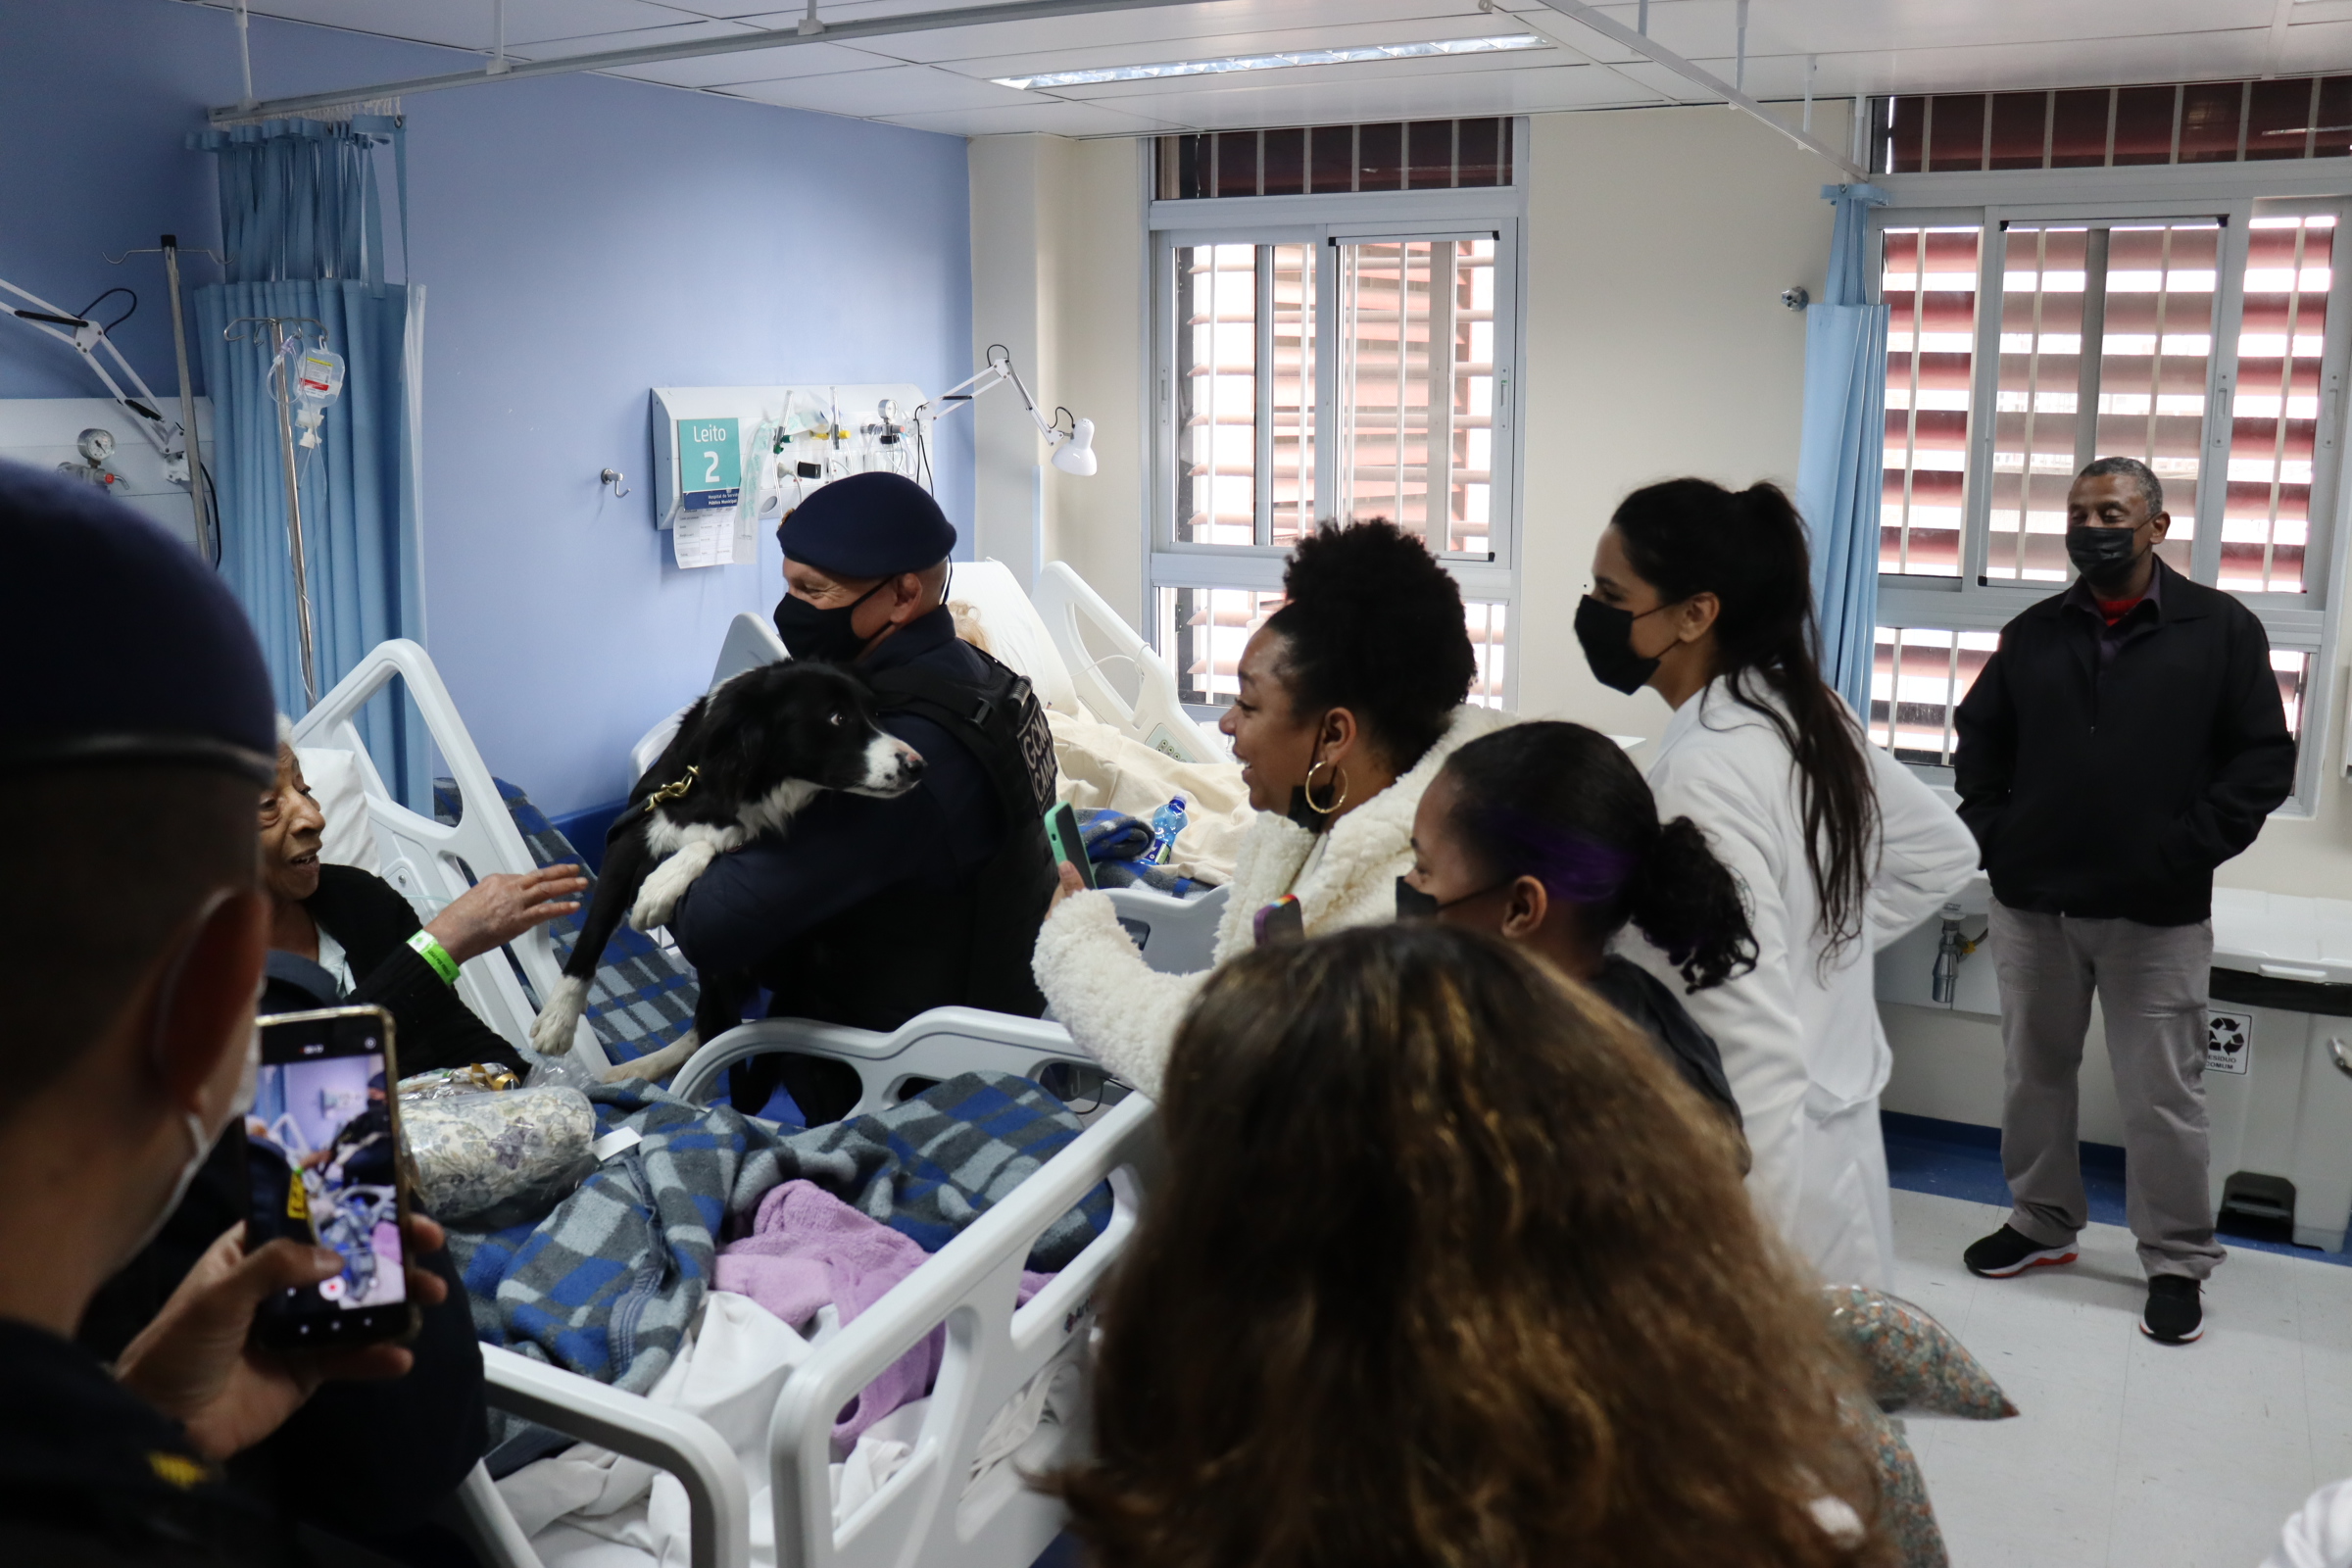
x: 756, y: 452
x: 44, y: 432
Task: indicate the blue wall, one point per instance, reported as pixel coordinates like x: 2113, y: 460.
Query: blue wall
x: 580, y: 239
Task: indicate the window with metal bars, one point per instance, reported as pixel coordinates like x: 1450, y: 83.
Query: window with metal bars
x: 1330, y: 358
x: 2113, y: 128
x: 1327, y: 160
x: 2022, y: 343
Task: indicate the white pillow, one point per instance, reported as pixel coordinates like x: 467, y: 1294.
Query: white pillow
x: 335, y: 780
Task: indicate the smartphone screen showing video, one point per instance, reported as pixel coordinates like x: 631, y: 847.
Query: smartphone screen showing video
x: 322, y: 1157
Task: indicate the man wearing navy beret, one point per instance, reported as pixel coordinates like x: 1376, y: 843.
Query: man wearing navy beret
x: 133, y: 745
x: 870, y: 911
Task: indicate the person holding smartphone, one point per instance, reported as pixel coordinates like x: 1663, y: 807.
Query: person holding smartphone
x: 132, y: 944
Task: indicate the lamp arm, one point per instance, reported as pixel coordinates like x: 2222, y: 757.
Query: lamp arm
x: 85, y: 338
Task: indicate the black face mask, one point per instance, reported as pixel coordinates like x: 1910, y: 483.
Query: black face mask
x: 809, y: 632
x: 1606, y: 632
x: 1414, y: 905
x: 2103, y: 555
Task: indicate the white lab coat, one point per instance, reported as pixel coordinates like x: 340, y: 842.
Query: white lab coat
x: 1800, y: 1038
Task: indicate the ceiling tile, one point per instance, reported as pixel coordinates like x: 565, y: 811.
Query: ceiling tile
x: 1235, y: 107
x: 1051, y: 116
x: 892, y: 90
x: 758, y: 65
x: 1182, y: 32
x: 468, y: 24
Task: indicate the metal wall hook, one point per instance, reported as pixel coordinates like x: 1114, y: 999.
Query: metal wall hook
x: 612, y: 477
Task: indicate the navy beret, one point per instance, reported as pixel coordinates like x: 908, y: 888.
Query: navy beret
x: 868, y: 525
x: 126, y: 646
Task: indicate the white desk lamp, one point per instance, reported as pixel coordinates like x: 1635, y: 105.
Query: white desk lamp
x: 1073, y: 449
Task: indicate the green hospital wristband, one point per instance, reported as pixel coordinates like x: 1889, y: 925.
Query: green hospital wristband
x: 433, y: 952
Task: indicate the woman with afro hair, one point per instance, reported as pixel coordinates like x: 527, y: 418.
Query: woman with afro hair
x: 1351, y: 699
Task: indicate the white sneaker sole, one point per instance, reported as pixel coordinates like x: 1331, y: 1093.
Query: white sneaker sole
x: 2047, y: 1257
x: 2190, y: 1338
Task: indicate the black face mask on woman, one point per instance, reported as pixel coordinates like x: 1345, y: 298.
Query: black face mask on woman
x: 2103, y: 555
x: 1606, y: 632
x: 809, y: 632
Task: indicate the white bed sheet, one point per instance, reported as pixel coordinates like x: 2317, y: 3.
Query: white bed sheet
x: 588, y: 1507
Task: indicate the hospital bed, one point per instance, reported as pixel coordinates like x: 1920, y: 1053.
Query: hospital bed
x: 935, y: 1512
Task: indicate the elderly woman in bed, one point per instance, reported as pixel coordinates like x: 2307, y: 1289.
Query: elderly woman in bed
x: 341, y: 934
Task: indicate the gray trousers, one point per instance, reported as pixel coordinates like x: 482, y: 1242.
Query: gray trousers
x: 2150, y: 980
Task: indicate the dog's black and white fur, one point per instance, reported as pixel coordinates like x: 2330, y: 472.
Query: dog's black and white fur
x: 746, y: 758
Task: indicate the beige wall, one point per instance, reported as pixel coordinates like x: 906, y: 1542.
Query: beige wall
x: 1658, y: 244
x: 1059, y: 277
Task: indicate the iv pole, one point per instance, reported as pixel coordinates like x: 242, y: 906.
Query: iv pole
x: 285, y: 446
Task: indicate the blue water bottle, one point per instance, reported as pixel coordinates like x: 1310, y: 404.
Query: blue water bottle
x: 1166, y: 823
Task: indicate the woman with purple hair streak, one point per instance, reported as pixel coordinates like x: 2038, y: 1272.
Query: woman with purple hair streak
x: 1545, y: 834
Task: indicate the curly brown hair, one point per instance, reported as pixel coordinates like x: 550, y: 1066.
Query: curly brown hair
x: 1449, y: 1269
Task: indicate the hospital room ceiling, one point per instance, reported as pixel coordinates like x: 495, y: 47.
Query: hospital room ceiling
x: 946, y: 79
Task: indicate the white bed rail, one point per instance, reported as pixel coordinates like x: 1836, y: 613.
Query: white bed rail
x: 719, y: 1507
x: 934, y: 1513
x: 930, y: 1047
x: 421, y: 855
x: 1077, y: 618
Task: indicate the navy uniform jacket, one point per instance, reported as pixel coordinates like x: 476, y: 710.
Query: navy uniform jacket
x: 93, y: 1477
x: 863, y: 911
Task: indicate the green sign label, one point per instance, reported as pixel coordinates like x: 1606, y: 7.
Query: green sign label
x: 710, y: 462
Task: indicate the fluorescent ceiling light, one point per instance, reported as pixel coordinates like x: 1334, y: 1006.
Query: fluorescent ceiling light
x: 1275, y: 62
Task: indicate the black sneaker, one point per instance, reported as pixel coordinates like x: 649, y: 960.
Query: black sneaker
x: 2008, y: 1252
x: 2176, y: 1315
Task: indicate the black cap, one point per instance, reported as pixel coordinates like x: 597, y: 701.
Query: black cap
x: 121, y: 644
x: 868, y: 525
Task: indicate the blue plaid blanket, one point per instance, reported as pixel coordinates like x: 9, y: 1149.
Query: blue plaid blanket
x: 643, y: 996
x: 607, y: 1281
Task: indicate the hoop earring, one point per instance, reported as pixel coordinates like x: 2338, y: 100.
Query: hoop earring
x: 1306, y: 787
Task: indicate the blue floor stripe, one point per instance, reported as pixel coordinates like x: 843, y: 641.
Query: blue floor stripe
x: 1957, y: 1160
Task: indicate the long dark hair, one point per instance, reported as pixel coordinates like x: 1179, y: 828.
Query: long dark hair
x: 1374, y: 626
x: 1565, y: 805
x: 1692, y: 536
x: 1402, y: 1301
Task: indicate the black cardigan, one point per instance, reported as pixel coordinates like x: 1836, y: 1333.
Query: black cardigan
x: 432, y: 1027
x: 2114, y: 793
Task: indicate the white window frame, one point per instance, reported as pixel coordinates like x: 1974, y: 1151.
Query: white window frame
x: 2305, y: 622
x: 1320, y: 221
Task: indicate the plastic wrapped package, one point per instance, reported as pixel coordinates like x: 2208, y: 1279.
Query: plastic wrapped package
x: 485, y: 1160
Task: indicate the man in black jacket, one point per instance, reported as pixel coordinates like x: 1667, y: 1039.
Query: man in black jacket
x: 2126, y: 738
x: 869, y: 911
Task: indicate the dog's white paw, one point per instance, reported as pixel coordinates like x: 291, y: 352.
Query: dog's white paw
x: 551, y: 1030
x: 658, y: 899
x: 654, y: 1064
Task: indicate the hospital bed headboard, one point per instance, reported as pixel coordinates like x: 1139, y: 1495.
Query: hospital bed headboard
x: 1016, y: 634
x: 427, y: 860
x: 751, y: 642
x: 1080, y: 622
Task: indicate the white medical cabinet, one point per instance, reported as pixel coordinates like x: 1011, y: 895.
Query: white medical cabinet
x: 2278, y: 1064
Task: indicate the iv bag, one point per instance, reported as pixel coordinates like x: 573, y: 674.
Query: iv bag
x: 316, y: 376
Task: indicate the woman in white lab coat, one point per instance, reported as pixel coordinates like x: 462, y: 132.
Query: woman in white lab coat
x: 1704, y: 596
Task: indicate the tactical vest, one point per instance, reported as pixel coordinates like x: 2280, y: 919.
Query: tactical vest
x: 909, y: 949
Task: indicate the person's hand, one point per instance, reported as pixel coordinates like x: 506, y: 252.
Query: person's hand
x: 1071, y: 882
x: 196, y: 1362
x: 501, y: 906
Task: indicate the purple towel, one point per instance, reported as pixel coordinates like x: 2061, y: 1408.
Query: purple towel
x: 809, y: 1247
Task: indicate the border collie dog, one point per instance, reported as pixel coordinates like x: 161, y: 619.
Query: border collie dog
x: 746, y: 758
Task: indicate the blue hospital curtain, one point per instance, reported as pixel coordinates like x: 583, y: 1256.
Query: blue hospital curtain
x: 303, y: 227
x: 1842, y: 453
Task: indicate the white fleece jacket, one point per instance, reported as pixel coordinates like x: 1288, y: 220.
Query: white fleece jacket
x: 1124, y: 1012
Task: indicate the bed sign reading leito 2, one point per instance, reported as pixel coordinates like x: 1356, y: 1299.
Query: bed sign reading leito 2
x: 710, y: 465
